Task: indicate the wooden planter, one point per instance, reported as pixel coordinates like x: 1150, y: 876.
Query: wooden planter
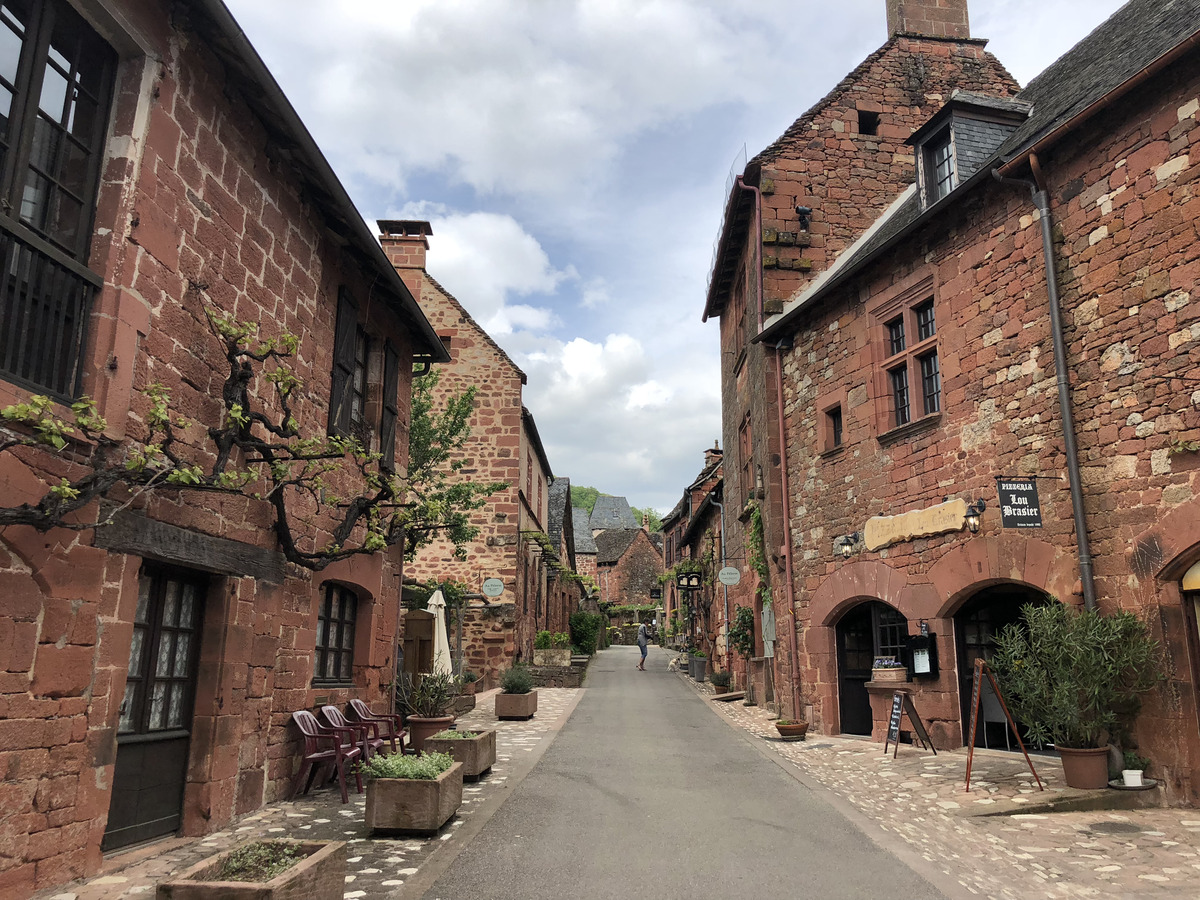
x: 421, y: 728
x: 793, y: 732
x: 516, y: 706
x: 1085, y: 769
x: 477, y: 754
x: 552, y: 657
x: 889, y: 676
x: 319, y: 876
x: 413, y: 805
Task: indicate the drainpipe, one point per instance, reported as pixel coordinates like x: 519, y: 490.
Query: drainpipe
x: 721, y: 507
x: 1041, y: 200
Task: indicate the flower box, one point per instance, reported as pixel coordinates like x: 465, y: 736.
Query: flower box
x: 516, y: 706
x: 321, y: 875
x: 477, y: 754
x: 414, y: 805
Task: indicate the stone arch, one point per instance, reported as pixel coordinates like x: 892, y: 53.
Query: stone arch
x: 1168, y: 547
x: 855, y: 582
x: 997, y: 559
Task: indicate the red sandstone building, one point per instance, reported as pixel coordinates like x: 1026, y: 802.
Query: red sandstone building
x: 148, y: 669
x: 921, y: 374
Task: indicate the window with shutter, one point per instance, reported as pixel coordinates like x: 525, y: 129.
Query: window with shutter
x: 391, y: 408
x: 344, y: 346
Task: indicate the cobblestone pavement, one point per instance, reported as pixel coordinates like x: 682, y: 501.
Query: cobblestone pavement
x: 377, y: 866
x: 918, y: 803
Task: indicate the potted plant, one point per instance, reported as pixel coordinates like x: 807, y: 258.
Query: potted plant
x: 264, y: 870
x: 412, y: 794
x: 517, y: 698
x: 790, y: 730
x: 467, y: 682
x: 428, y: 702
x: 1072, y: 677
x: 888, y: 668
x: 720, y: 681
x: 697, y: 665
x: 1134, y: 767
x: 552, y: 649
x: 476, y: 750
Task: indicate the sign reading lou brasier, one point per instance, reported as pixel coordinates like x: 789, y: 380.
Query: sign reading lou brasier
x: 1019, y: 507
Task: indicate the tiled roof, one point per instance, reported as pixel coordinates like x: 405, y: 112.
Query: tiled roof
x: 612, y: 544
x: 613, y: 512
x: 585, y: 544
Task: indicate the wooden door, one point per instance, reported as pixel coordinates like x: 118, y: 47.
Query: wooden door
x: 856, y: 653
x: 154, y: 734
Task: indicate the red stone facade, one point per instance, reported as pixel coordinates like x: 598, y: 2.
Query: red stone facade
x: 846, y: 160
x: 629, y: 579
x: 196, y: 205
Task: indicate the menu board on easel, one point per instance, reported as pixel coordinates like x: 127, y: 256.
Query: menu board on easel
x: 902, y: 704
x: 982, y: 669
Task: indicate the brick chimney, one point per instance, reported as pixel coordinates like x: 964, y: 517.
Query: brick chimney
x: 713, y: 454
x: 932, y: 18
x: 406, y: 243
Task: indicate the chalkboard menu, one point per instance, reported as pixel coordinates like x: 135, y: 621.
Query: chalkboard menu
x: 893, y: 732
x: 902, y: 703
x: 1019, y: 507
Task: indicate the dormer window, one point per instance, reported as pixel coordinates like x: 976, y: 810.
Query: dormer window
x: 939, y: 155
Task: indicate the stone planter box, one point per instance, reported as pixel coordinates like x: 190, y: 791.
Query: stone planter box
x: 477, y: 754
x: 319, y: 876
x: 413, y: 805
x: 516, y: 706
x: 552, y: 657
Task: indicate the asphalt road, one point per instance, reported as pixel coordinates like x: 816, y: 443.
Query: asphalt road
x: 645, y: 793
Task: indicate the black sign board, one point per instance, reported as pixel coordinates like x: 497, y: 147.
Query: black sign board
x: 902, y: 703
x: 655, y: 593
x: 1019, y: 507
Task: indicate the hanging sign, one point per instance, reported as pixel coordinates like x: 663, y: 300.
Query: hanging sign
x: 493, y: 587
x: 729, y: 576
x: 1019, y: 507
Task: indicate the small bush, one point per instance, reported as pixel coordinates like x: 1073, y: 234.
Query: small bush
x: 260, y: 861
x: 451, y: 735
x: 560, y: 640
x: 585, y: 630
x: 516, y: 680
x: 542, y: 641
x: 425, y: 767
x: 720, y: 679
x: 468, y: 677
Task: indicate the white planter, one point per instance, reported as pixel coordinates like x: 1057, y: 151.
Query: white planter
x: 1132, y: 777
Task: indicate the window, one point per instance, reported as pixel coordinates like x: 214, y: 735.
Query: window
x: 334, y: 663
x: 939, y: 166
x: 909, y: 385
x: 868, y: 123
x: 350, y: 410
x: 56, y: 77
x: 746, y: 461
x: 358, y: 380
x: 833, y: 421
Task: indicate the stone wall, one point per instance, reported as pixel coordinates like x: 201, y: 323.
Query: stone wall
x: 488, y: 641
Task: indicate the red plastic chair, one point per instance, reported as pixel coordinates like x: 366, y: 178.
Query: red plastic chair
x: 336, y: 753
x: 360, y: 731
x: 387, y: 727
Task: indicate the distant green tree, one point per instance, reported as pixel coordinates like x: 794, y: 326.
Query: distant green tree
x: 655, y: 521
x: 584, y: 497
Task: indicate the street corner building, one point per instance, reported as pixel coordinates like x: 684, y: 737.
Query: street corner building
x: 156, y: 177
x: 963, y: 344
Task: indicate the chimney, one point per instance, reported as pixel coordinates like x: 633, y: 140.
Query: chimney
x: 406, y: 243
x: 646, y: 522
x: 712, y: 455
x: 930, y: 18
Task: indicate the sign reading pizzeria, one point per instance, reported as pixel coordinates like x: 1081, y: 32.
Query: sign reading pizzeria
x: 1019, y: 507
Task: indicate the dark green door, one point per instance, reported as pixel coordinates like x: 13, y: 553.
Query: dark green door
x: 156, y: 715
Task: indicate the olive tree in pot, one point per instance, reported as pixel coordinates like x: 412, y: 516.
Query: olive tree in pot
x: 428, y: 702
x: 412, y: 794
x: 517, y: 698
x: 1073, y: 677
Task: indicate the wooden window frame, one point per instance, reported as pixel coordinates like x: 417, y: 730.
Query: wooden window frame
x: 746, y: 460
x: 938, y: 186
x: 903, y: 303
x: 324, y: 647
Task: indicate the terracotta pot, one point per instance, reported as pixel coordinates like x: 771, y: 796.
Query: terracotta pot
x: 414, y: 805
x: 793, y: 732
x: 420, y: 728
x: 321, y: 875
x: 720, y: 689
x: 468, y: 688
x: 1085, y: 768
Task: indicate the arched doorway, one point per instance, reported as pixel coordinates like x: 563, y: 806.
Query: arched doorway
x: 975, y: 625
x: 867, y: 630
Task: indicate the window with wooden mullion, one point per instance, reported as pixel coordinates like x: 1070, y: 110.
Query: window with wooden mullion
x: 334, y: 660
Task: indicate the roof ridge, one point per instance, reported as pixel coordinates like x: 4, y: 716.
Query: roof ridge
x: 471, y: 320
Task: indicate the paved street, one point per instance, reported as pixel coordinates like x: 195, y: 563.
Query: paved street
x: 646, y: 792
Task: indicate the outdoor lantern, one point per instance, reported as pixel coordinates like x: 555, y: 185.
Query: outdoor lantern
x: 973, y: 514
x: 846, y: 544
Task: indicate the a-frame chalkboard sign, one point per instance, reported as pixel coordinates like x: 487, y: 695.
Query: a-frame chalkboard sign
x: 901, y: 704
x: 981, y: 669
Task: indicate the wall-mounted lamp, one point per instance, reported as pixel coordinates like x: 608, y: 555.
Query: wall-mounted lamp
x: 805, y: 214
x: 974, y: 512
x: 845, y: 544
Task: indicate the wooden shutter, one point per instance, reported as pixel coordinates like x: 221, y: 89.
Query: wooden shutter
x: 343, y: 364
x: 391, y: 410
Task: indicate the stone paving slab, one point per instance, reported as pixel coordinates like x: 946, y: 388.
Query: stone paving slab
x: 917, y: 802
x: 376, y: 866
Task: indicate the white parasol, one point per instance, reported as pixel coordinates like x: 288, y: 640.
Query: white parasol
x: 441, y: 643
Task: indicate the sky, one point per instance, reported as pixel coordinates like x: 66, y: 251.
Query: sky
x: 572, y: 158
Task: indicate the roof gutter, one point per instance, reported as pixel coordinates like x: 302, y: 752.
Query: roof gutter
x: 1009, y: 168
x: 425, y: 338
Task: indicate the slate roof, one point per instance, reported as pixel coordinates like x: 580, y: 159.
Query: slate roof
x: 560, y: 509
x: 585, y: 544
x: 612, y: 544
x: 1130, y: 40
x: 613, y: 512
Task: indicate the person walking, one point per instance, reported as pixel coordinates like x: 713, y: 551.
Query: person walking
x: 643, y: 642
